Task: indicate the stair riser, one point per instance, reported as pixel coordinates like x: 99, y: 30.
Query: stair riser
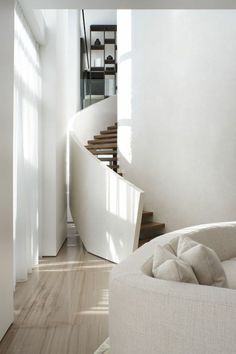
x: 105, y: 136
x: 100, y: 141
x: 150, y: 233
x: 108, y: 159
x: 102, y: 146
x: 103, y: 152
x: 111, y: 131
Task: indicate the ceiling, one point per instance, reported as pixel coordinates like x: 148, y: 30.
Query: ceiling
x: 130, y: 4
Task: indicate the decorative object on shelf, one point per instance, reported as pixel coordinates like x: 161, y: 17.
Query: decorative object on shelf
x: 109, y: 57
x: 97, y: 62
x: 97, y: 42
x: 103, y: 61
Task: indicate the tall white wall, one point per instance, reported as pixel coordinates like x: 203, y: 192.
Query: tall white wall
x: 176, y: 109
x: 60, y: 65
x: 6, y: 163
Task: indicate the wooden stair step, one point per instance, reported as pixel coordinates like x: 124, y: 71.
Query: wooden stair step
x: 152, y: 225
x: 144, y: 240
x: 112, y: 127
x: 147, y: 213
x: 101, y: 146
x: 105, y: 136
x: 102, y: 141
x: 110, y: 131
x: 108, y: 158
x: 113, y: 167
x: 149, y: 229
x: 103, y: 152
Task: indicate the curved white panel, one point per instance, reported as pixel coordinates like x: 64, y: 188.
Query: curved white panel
x: 106, y: 209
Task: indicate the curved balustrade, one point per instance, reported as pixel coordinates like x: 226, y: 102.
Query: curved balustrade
x: 106, y: 209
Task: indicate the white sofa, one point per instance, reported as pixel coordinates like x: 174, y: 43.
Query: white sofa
x: 151, y: 316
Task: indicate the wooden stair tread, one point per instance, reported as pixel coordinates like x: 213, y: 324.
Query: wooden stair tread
x: 112, y: 127
x: 102, y: 141
x: 111, y: 131
x: 113, y: 167
x: 147, y: 213
x: 107, y: 158
x: 101, y: 146
x: 105, y: 136
x: 142, y: 241
x: 103, y: 152
x: 151, y: 225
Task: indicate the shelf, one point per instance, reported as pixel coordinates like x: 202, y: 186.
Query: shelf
x: 103, y: 28
x: 110, y: 72
x: 110, y: 61
x: 110, y: 41
x: 96, y: 75
x: 97, y: 47
x: 97, y: 68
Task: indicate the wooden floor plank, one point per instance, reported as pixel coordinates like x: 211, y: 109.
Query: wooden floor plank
x: 63, y: 307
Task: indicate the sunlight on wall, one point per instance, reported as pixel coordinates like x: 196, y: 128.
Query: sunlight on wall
x: 27, y: 63
x: 125, y: 83
x: 112, y: 248
x: 121, y: 199
x: 27, y: 100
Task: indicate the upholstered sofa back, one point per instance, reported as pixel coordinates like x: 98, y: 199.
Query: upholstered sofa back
x: 221, y: 237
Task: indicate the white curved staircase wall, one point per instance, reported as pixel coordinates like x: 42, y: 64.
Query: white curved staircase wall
x: 96, y: 117
x: 106, y: 209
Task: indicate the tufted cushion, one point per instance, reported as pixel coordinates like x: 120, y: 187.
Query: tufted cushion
x: 204, y: 262
x: 167, y: 266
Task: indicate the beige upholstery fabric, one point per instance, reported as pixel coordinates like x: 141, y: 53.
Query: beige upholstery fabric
x: 167, y: 266
x: 210, y: 235
x: 162, y: 254
x: 230, y: 271
x: 154, y: 316
x: 204, y: 261
x: 104, y: 348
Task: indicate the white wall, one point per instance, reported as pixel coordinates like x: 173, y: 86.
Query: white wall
x: 60, y: 65
x: 6, y: 163
x: 176, y: 111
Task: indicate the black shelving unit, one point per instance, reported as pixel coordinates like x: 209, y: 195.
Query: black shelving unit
x: 109, y: 66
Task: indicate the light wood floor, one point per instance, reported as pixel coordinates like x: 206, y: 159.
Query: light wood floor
x: 63, y: 307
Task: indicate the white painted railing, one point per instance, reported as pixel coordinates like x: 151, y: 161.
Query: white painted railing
x: 106, y: 209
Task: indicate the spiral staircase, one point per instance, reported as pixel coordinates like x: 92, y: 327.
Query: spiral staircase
x: 107, y: 209
x: 104, y: 147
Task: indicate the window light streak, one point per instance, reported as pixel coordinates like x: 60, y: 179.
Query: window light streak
x: 25, y: 38
x: 120, y: 199
x: 93, y: 312
x: 27, y: 99
x: 48, y: 264
x: 108, y: 266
